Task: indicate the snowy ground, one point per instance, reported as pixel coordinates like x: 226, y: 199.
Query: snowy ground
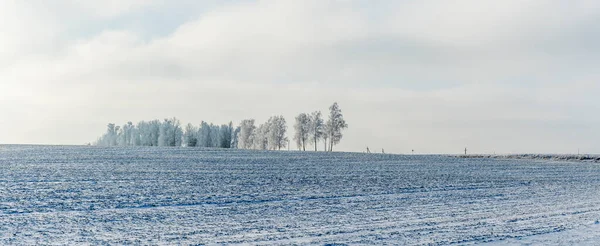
x: 544, y: 157
x: 585, y: 235
x: 87, y: 195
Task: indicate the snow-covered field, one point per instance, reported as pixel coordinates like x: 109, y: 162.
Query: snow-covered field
x: 88, y: 195
x: 544, y: 157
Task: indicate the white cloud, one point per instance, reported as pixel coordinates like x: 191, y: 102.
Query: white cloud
x: 105, y: 9
x: 25, y: 30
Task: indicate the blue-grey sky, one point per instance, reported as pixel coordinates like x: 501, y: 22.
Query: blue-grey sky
x: 433, y: 76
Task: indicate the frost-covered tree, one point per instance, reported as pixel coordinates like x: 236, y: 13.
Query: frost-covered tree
x: 177, y: 133
x: 127, y: 135
x: 115, y: 138
x: 316, y: 128
x: 149, y: 132
x: 302, y: 129
x: 335, y: 125
x: 259, y: 137
x: 189, y: 137
x: 234, y: 138
x: 110, y: 137
x: 121, y: 136
x: 215, y: 134
x: 134, y: 135
x: 204, y: 135
x: 245, y: 135
x: 225, y: 135
x: 170, y: 133
x: 144, y: 133
x: 163, y: 134
x: 326, y: 137
x: 112, y: 134
x: 276, y: 134
x: 127, y: 130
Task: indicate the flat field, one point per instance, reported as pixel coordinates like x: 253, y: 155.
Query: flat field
x: 90, y: 195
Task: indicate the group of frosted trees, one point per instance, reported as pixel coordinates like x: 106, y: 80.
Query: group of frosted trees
x: 209, y: 135
x: 271, y: 135
x: 311, y: 129
x: 168, y: 133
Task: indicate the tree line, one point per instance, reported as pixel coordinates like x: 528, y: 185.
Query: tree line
x: 310, y: 129
x: 168, y: 132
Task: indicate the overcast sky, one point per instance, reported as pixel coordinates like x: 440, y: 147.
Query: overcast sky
x: 434, y: 76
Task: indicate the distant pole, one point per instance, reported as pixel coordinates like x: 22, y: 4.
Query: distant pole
x: 413, y: 152
x: 465, y: 150
x: 382, y: 151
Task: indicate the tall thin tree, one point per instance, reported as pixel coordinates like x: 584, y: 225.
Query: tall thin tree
x: 335, y: 125
x: 317, y: 128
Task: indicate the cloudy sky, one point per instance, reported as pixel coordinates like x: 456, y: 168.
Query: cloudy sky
x: 434, y: 76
